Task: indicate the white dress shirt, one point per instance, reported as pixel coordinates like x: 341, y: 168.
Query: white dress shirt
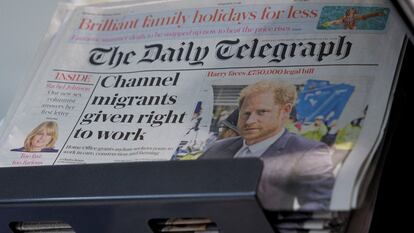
x: 257, y: 149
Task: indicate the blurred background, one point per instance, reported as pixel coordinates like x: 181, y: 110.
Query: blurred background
x: 23, y: 24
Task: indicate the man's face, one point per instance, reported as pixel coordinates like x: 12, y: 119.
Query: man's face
x: 318, y: 122
x: 260, y: 118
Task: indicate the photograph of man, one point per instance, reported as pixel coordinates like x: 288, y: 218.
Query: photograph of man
x: 349, y: 20
x: 41, y: 139
x: 229, y: 126
x: 296, y: 169
x: 316, y: 130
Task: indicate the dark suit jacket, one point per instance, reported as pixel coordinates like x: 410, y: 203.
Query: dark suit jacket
x: 294, y: 167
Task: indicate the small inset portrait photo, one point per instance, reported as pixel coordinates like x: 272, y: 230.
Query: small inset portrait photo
x: 353, y: 18
x: 41, y: 139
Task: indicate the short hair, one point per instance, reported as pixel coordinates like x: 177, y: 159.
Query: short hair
x: 283, y: 92
x: 50, y: 126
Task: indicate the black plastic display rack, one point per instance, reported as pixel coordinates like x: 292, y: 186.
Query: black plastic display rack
x: 124, y: 197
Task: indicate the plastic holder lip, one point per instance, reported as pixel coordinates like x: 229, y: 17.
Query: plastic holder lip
x: 123, y: 197
x: 38, y: 226
x: 186, y: 224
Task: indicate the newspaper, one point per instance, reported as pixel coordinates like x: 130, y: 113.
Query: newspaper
x: 294, y: 83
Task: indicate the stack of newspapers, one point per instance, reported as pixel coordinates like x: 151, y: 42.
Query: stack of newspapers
x: 304, y: 86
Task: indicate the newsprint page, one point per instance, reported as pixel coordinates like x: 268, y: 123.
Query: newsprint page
x: 303, y: 85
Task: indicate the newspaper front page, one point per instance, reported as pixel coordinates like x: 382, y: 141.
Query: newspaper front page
x: 302, y: 85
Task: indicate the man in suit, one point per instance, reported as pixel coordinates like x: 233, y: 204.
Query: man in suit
x: 294, y: 167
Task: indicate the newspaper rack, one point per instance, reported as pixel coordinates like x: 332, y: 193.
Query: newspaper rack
x: 123, y: 197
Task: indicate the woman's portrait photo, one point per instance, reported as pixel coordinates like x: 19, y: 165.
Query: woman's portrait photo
x: 41, y: 139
